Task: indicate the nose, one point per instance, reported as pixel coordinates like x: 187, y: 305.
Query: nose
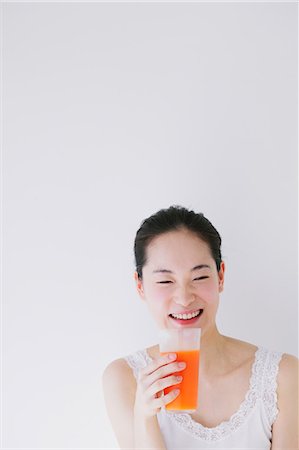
x: 184, y: 296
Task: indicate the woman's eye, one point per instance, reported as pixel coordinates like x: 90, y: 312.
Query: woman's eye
x: 163, y: 282
x: 200, y: 278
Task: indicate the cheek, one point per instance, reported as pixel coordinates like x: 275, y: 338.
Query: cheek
x: 157, y: 297
x: 161, y: 295
x: 158, y: 294
x: 208, y: 292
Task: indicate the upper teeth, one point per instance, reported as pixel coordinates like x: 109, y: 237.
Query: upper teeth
x: 186, y: 316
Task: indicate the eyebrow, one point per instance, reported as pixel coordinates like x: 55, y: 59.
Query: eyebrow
x: 200, y: 266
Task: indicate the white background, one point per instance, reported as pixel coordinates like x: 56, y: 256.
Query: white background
x: 111, y: 112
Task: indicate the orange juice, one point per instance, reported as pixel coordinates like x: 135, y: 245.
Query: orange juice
x: 187, y: 398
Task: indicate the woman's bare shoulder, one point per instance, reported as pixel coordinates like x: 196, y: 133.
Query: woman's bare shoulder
x: 289, y: 360
x: 288, y: 369
x: 117, y: 371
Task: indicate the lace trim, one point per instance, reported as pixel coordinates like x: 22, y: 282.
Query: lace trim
x: 270, y: 385
x: 137, y: 361
x: 226, y: 428
x: 266, y: 362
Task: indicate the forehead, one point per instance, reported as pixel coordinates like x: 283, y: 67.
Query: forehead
x: 178, y: 248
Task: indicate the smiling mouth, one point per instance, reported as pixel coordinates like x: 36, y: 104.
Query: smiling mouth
x: 187, y: 317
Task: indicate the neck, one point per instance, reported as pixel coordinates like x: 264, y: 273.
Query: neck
x: 212, y: 351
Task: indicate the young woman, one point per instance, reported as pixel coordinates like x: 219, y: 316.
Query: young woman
x: 248, y: 395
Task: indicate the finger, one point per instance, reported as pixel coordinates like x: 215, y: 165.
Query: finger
x: 156, y: 363
x: 162, y: 372
x: 163, y: 383
x: 165, y: 399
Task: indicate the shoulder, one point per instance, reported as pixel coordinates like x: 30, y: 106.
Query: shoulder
x: 289, y: 361
x: 115, y: 366
x: 288, y: 372
x: 287, y: 379
x: 119, y: 388
x: 285, y: 427
x: 117, y: 374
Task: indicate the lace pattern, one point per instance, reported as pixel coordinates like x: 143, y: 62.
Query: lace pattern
x: 270, y: 385
x: 137, y: 361
x: 226, y: 428
x: 262, y: 386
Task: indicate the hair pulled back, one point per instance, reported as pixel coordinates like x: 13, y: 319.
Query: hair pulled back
x: 172, y: 219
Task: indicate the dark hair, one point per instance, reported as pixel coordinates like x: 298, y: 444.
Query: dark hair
x: 171, y: 219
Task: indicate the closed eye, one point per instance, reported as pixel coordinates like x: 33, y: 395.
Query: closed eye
x: 195, y: 279
x: 200, y: 278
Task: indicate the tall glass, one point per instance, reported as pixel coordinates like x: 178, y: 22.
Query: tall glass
x: 185, y: 343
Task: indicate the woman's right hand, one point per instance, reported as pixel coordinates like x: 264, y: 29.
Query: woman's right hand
x: 152, y: 379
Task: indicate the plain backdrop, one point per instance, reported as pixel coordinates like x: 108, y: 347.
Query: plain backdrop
x: 112, y: 111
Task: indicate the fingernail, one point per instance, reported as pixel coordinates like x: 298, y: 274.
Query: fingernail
x: 182, y: 365
x: 172, y: 356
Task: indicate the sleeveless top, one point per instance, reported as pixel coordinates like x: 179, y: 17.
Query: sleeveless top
x: 248, y: 428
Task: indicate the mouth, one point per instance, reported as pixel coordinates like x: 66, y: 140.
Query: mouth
x: 187, y: 318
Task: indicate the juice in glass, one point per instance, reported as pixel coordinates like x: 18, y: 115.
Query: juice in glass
x: 187, y: 398
x: 185, y: 342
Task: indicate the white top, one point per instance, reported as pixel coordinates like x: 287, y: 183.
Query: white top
x: 248, y: 428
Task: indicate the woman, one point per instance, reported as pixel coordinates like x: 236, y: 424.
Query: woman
x: 248, y: 395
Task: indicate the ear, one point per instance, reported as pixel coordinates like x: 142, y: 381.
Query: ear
x: 139, y: 285
x: 221, y: 276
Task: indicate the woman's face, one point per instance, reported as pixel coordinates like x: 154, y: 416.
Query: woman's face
x: 181, y: 277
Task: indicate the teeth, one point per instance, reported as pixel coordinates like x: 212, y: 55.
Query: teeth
x: 186, y: 316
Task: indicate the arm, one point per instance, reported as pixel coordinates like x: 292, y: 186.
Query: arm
x: 119, y: 400
x: 147, y: 434
x: 285, y: 428
x: 132, y: 431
